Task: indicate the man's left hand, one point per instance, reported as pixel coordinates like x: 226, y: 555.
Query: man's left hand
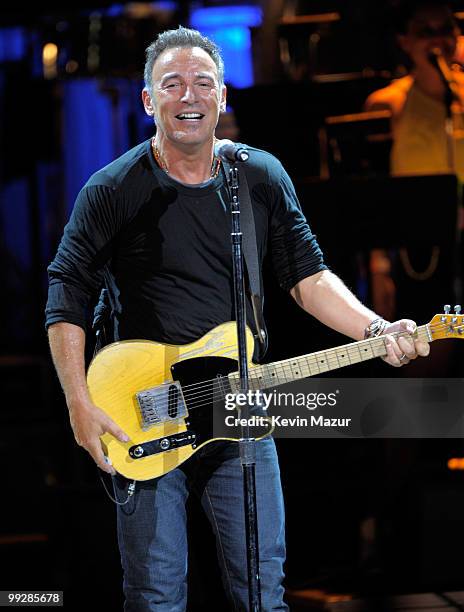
x: 402, y: 349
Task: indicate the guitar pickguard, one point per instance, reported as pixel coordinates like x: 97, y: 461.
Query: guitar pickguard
x: 204, y: 385
x: 198, y: 388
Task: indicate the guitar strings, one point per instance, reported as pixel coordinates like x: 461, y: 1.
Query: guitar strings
x: 286, y: 365
x: 196, y: 397
x: 352, y: 345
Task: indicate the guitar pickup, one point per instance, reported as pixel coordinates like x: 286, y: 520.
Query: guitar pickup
x: 162, y: 445
x: 161, y: 404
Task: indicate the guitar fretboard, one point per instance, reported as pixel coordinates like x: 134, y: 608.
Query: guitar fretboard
x: 313, y: 364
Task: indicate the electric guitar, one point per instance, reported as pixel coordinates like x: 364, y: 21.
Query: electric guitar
x: 164, y: 396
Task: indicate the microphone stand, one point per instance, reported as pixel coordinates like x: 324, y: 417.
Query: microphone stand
x: 449, y: 128
x: 247, y: 445
x: 451, y: 94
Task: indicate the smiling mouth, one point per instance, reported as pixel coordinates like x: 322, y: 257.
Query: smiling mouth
x: 190, y: 116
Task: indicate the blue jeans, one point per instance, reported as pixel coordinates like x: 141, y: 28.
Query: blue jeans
x: 152, y: 529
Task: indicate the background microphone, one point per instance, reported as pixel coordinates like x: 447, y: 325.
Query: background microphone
x: 438, y: 61
x: 433, y: 56
x: 231, y: 151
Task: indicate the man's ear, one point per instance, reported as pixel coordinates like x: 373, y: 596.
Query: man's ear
x: 222, y: 105
x: 147, y: 102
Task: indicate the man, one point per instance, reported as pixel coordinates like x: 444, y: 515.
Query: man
x: 154, y: 227
x: 417, y: 101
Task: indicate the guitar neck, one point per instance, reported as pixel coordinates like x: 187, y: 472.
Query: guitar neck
x: 288, y: 370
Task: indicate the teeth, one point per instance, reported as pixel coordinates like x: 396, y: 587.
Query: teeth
x: 190, y: 116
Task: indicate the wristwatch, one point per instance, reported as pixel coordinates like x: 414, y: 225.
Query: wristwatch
x: 375, y: 328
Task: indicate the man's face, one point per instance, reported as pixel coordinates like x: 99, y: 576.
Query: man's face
x: 431, y: 27
x: 186, y: 96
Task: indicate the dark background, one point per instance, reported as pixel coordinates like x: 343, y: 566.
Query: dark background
x: 57, y: 524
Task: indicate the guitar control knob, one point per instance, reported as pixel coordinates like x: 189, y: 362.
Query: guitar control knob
x: 165, y: 444
x: 457, y: 309
x: 138, y: 452
x: 447, y: 308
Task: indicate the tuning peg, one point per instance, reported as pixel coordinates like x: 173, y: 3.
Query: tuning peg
x: 447, y: 308
x: 457, y: 309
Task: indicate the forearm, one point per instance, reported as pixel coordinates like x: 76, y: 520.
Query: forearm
x: 67, y: 345
x: 89, y: 423
x: 326, y: 298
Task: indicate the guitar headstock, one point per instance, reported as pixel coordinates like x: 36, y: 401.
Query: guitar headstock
x: 447, y: 325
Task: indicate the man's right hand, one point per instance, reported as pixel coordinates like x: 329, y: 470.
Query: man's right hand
x: 89, y: 423
x: 67, y: 343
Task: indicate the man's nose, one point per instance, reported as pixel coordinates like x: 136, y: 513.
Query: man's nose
x: 189, y: 95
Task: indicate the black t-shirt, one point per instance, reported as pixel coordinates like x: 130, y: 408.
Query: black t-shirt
x: 163, y: 249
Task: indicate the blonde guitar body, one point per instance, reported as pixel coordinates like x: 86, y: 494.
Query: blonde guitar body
x: 123, y: 369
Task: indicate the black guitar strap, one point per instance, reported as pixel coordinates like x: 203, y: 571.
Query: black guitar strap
x: 250, y: 255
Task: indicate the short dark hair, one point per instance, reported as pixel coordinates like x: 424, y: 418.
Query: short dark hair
x: 182, y: 37
x: 405, y: 10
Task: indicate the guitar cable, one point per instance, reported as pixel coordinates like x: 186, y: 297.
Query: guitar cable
x: 130, y: 491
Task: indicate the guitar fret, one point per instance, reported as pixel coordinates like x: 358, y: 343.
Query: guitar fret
x: 343, y: 354
x: 315, y: 364
x: 323, y: 363
x: 354, y: 354
x: 367, y: 352
x: 309, y: 366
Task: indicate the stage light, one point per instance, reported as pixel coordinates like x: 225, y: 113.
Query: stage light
x: 49, y: 60
x: 229, y: 27
x: 13, y: 44
x: 456, y: 463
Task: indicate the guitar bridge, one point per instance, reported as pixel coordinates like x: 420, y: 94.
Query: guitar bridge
x: 161, y: 404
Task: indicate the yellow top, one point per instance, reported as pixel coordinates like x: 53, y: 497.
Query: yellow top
x: 420, y: 143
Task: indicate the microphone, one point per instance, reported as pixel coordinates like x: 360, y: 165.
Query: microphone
x: 433, y: 56
x: 231, y: 151
x: 438, y: 61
